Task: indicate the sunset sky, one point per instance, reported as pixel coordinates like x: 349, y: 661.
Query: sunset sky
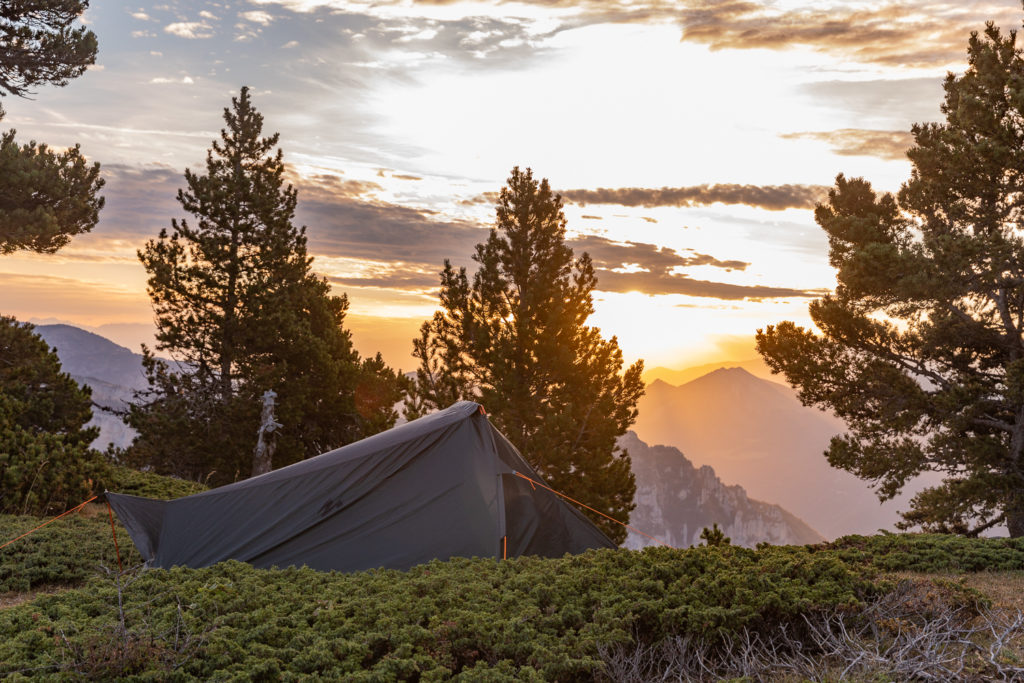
x: 689, y: 139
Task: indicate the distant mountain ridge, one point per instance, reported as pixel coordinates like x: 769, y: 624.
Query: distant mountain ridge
x: 86, y: 354
x: 755, y: 366
x: 675, y: 501
x: 113, y: 373
x: 757, y: 434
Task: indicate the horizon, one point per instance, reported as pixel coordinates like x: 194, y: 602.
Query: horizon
x: 695, y: 200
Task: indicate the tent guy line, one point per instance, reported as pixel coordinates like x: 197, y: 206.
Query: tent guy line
x: 74, y: 509
x: 573, y: 500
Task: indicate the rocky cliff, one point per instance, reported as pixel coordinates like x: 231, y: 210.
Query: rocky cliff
x: 676, y: 500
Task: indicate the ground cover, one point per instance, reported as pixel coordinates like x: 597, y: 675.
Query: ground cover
x: 882, y: 606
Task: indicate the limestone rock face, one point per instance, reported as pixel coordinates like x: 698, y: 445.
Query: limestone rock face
x: 676, y: 500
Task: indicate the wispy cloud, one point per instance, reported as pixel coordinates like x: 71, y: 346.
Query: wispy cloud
x: 884, y: 144
x: 914, y: 33
x: 771, y: 197
x: 648, y: 268
x: 192, y: 30
x: 360, y: 241
x: 258, y: 17
x: 410, y: 245
x: 184, y: 80
x: 902, y: 34
x: 666, y: 283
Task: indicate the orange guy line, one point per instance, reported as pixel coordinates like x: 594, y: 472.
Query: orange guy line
x: 77, y: 507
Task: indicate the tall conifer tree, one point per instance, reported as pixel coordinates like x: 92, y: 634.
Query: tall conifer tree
x: 239, y: 309
x: 921, y: 347
x: 516, y: 339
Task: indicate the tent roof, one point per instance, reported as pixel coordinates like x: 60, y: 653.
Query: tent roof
x: 383, y: 441
x: 438, y: 487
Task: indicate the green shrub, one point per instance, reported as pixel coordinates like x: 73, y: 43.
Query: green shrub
x: 477, y: 619
x: 66, y: 552
x: 72, y: 549
x: 522, y: 619
x: 148, y: 485
x: 929, y: 552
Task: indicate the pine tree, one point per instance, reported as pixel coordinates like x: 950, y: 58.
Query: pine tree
x: 920, y: 348
x: 516, y: 340
x: 40, y: 44
x: 45, y: 197
x: 240, y: 311
x: 45, y: 460
x: 714, y: 537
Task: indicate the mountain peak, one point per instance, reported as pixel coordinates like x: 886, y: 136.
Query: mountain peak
x: 62, y: 333
x: 733, y: 371
x: 89, y: 355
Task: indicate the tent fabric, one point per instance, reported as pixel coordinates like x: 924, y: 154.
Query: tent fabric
x: 442, y: 486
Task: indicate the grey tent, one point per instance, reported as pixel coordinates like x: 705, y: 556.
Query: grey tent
x: 442, y: 486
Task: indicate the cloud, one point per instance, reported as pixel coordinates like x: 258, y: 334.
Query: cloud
x: 186, y: 80
x: 771, y: 197
x: 140, y: 201
x: 665, y: 283
x: 345, y: 223
x: 408, y: 247
x: 190, y: 29
x: 881, y: 103
x: 608, y: 254
x: 258, y: 17
x: 907, y: 34
x: 884, y: 144
x: 403, y: 248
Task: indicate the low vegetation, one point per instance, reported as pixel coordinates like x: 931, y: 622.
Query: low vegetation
x: 65, y: 553
x: 705, y: 612
x: 148, y: 485
x: 930, y: 553
x: 69, y: 551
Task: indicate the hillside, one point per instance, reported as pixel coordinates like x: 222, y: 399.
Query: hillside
x: 90, y: 356
x: 756, y: 434
x: 676, y: 500
x: 113, y: 373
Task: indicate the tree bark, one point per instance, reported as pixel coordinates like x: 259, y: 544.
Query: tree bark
x: 266, y: 443
x: 1015, y: 518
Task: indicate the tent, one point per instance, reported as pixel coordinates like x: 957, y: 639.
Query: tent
x: 445, y: 485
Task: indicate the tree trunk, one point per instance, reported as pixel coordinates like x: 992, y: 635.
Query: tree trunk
x: 266, y: 443
x: 1015, y: 518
